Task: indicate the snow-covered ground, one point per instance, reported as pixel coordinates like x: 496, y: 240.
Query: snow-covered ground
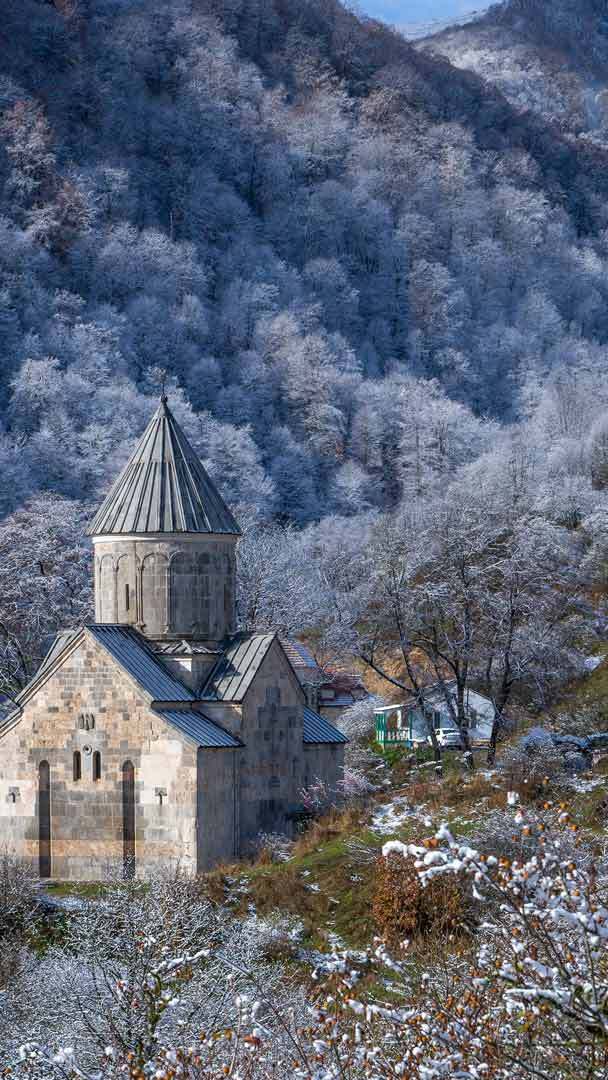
x: 390, y: 816
x: 593, y: 662
x: 580, y: 785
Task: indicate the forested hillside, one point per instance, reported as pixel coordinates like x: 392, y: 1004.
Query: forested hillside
x: 328, y: 239
x: 370, y: 278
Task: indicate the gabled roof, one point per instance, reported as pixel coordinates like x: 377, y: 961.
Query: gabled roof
x: 307, y: 669
x: 299, y: 655
x: 61, y: 644
x: 340, y: 701
x: 200, y: 728
x: 133, y: 653
x: 61, y: 641
x: 234, y: 673
x: 319, y: 730
x: 184, y: 648
x: 163, y: 488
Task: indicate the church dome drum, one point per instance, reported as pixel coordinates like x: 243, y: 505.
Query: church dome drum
x: 165, y: 543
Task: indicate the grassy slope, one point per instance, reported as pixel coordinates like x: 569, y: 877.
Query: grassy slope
x: 329, y: 882
x: 590, y: 692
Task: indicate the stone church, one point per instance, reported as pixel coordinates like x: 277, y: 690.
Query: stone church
x: 158, y: 733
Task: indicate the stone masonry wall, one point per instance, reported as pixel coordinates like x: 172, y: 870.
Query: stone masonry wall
x: 218, y: 792
x: 324, y: 762
x: 87, y: 817
x: 271, y: 763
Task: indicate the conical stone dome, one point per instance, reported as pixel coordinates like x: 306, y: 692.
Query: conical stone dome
x: 163, y: 489
x: 165, y: 543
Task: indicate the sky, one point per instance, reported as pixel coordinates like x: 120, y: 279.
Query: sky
x: 406, y: 12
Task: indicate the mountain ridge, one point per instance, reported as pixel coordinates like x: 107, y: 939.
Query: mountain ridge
x: 549, y: 58
x: 306, y: 220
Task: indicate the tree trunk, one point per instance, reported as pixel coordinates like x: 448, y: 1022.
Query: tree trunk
x: 493, y: 740
x: 436, y: 747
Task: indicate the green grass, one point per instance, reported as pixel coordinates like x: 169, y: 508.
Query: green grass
x: 88, y: 890
x: 591, y: 690
x: 341, y: 905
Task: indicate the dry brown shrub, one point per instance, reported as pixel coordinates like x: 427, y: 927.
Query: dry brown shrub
x: 403, y: 909
x: 215, y: 885
x: 330, y: 827
x: 464, y: 789
x: 454, y: 789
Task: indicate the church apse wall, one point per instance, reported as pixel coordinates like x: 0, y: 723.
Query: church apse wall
x: 324, y: 763
x: 85, y: 723
x: 217, y: 807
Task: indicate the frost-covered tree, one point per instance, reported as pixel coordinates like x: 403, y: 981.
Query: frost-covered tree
x: 45, y: 582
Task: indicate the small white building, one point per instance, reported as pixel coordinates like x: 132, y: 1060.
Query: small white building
x: 410, y: 724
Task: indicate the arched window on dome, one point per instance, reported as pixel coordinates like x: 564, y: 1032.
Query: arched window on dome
x: 154, y: 590
x: 107, y: 590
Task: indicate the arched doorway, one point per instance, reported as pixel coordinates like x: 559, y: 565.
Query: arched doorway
x: 44, y: 820
x: 128, y: 819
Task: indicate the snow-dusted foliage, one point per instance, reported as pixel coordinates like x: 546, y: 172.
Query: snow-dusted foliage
x: 300, y: 218
x: 526, y: 997
x: 18, y: 894
x: 45, y: 582
x: 550, y: 58
x: 147, y: 965
x: 274, y: 846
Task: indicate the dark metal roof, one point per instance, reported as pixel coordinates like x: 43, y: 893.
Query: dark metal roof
x: 319, y: 730
x: 234, y: 672
x: 132, y: 652
x: 61, y: 642
x: 200, y: 728
x: 303, y: 662
x: 163, y: 488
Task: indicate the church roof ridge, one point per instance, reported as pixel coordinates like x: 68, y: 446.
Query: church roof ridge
x: 163, y: 488
x: 131, y: 650
x: 231, y: 677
